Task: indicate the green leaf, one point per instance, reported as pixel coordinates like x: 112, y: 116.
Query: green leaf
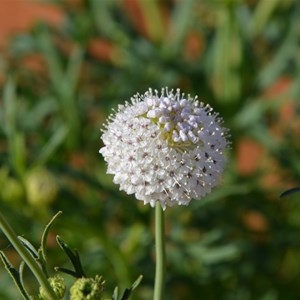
x: 73, y: 256
x: 45, y: 235
x: 105, y: 24
x: 181, y: 20
x: 126, y: 294
x: 46, y: 45
x: 55, y: 141
x: 128, y: 291
x: 151, y: 11
x: 15, y: 138
x: 36, y: 115
x: 9, y: 98
x: 73, y: 71
x: 286, y: 51
x: 261, y: 15
x: 213, y: 255
x: 137, y: 282
x: 115, y: 295
x: 21, y: 272
x: 289, y: 192
x: 225, y: 57
x: 15, y: 275
x: 29, y: 247
x: 67, y: 271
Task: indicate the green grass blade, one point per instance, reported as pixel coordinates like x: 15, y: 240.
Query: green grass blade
x: 55, y: 141
x: 181, y: 20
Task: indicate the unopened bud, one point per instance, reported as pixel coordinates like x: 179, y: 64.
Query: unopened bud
x: 58, y: 285
x: 41, y: 187
x: 87, y: 289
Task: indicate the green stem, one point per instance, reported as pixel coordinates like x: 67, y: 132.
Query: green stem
x: 26, y: 256
x: 160, y: 253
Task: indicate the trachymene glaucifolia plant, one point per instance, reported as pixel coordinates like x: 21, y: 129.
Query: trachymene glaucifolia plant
x: 166, y: 149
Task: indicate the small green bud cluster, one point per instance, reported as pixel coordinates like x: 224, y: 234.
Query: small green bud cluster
x: 58, y: 285
x: 87, y: 289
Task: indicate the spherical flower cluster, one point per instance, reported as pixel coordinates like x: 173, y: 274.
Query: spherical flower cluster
x: 58, y: 284
x: 87, y: 289
x: 165, y: 147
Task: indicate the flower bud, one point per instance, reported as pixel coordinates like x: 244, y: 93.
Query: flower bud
x: 41, y: 187
x: 87, y: 289
x: 11, y: 191
x: 58, y: 285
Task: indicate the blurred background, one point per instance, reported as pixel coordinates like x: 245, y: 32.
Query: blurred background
x: 65, y: 64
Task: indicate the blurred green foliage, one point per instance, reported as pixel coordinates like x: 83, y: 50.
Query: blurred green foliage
x: 61, y: 82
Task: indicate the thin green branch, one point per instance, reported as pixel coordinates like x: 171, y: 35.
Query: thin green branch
x: 26, y: 256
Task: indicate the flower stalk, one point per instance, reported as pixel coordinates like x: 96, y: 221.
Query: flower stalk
x: 159, y: 284
x: 28, y: 259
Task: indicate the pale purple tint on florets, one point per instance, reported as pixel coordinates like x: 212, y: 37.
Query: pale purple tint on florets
x: 165, y: 148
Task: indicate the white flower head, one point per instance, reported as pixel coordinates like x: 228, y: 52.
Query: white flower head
x: 165, y: 147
